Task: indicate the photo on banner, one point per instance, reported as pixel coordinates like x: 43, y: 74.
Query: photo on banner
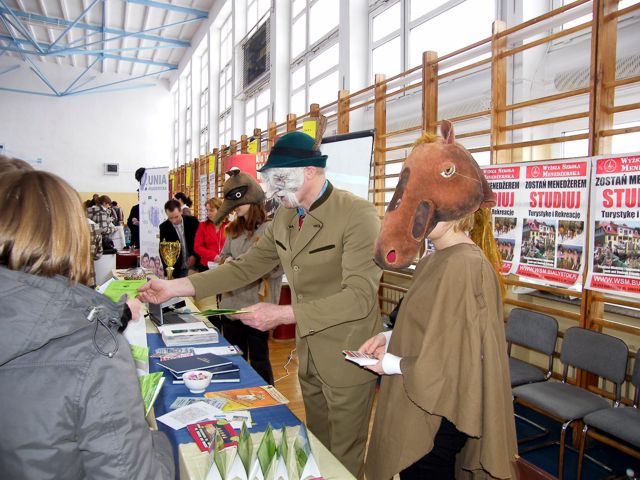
x: 507, y: 224
x: 614, y: 230
x: 154, y: 193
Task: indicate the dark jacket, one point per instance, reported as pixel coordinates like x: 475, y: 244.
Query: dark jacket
x: 71, y: 403
x: 135, y: 229
x: 168, y: 234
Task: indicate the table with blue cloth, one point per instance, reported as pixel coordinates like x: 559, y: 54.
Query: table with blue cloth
x: 191, y: 464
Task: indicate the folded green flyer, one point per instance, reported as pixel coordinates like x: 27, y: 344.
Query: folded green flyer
x: 150, y: 386
x: 209, y: 312
x: 117, y: 288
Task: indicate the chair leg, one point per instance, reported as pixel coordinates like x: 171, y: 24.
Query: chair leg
x: 583, y: 441
x: 543, y: 431
x: 563, y: 435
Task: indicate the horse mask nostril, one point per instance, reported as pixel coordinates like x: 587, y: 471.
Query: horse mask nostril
x: 391, y: 256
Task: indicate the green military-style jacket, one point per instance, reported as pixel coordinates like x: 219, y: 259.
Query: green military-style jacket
x: 333, y: 279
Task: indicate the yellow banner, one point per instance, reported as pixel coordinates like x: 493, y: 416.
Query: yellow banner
x: 309, y: 127
x: 212, y: 163
x: 253, y: 146
x: 172, y: 178
x: 188, y: 179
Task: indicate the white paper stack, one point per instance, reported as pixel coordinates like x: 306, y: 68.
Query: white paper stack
x: 192, y: 333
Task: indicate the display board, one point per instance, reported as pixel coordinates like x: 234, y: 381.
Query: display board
x: 349, y: 161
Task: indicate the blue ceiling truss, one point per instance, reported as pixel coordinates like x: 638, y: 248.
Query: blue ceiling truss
x: 93, y: 43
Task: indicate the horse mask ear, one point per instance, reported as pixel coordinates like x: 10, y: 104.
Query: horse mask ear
x: 448, y: 137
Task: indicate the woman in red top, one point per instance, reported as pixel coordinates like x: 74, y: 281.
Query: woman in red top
x: 209, y: 238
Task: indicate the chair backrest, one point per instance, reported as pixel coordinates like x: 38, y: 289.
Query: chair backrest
x: 533, y: 330
x: 635, y: 379
x: 597, y: 353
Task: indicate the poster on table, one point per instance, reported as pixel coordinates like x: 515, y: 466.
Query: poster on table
x: 554, y: 221
x: 507, y: 214
x: 614, y: 230
x: 154, y: 193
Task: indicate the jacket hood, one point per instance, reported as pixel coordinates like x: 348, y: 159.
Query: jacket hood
x: 35, y: 310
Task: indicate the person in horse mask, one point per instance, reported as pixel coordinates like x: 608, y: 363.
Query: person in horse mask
x: 445, y: 408
x: 324, y: 238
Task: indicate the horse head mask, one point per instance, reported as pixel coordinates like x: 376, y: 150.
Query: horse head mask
x: 440, y: 181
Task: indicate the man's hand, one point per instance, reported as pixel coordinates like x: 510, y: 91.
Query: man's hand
x: 134, y: 221
x: 375, y: 346
x: 377, y: 368
x: 265, y: 316
x: 191, y: 261
x: 158, y: 291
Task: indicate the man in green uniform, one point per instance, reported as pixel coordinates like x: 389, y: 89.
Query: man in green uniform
x: 324, y: 238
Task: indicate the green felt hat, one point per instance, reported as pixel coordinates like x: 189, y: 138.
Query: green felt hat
x: 295, y: 149
x: 239, y: 189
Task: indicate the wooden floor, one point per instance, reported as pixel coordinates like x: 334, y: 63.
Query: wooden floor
x: 287, y: 383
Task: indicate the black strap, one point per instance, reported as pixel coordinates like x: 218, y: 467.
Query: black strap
x: 295, y: 152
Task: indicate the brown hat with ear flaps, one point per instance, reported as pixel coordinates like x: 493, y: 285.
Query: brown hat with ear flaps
x: 440, y: 181
x: 239, y: 189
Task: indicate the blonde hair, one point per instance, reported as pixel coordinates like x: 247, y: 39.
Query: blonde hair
x: 8, y: 164
x: 482, y: 235
x: 214, y: 203
x: 43, y: 230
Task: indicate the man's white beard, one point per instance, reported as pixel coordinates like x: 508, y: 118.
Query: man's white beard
x: 282, y: 185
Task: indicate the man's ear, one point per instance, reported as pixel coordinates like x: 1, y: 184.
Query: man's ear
x: 310, y: 172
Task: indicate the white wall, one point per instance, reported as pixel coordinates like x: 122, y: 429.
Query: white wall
x: 75, y: 135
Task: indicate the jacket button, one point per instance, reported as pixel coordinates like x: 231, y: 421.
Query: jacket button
x: 296, y: 268
x: 311, y: 332
x: 299, y: 296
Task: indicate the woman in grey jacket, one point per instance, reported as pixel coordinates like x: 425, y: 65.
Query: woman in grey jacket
x: 71, y: 404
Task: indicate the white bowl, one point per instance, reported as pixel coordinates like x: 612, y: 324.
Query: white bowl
x: 197, y: 381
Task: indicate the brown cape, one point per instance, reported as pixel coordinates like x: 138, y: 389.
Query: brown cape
x: 450, y: 335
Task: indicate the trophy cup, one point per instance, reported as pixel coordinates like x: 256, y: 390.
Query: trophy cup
x: 170, y: 251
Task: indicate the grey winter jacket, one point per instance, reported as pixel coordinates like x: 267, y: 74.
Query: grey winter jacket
x: 70, y: 402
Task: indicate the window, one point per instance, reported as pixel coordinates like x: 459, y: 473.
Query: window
x: 256, y: 9
x: 187, y: 117
x: 257, y: 111
x: 204, y: 103
x: 226, y: 81
x: 402, y: 31
x: 176, y: 122
x: 314, y: 53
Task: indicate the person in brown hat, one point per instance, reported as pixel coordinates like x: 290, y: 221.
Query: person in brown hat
x: 324, y: 239
x: 245, y: 197
x: 445, y: 408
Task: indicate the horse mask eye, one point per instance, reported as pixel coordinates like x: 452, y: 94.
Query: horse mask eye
x: 449, y: 171
x: 395, y: 202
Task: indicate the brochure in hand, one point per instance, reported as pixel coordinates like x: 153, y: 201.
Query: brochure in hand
x: 362, y: 359
x: 205, y: 361
x: 210, y: 312
x: 117, y: 288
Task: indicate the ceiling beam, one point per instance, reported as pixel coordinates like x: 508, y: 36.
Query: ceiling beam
x: 97, y: 53
x: 171, y: 7
x: 60, y: 22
